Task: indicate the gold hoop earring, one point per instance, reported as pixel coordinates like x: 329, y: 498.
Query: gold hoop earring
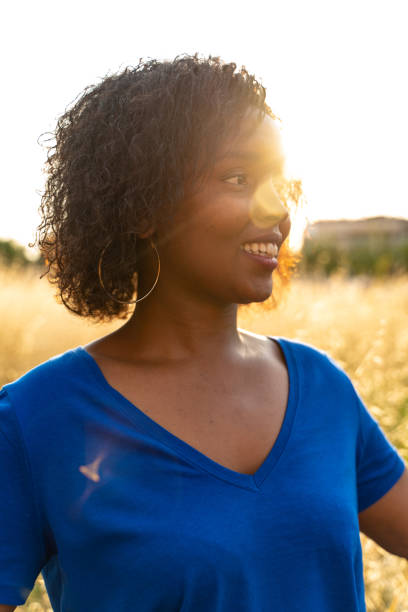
x: 113, y: 297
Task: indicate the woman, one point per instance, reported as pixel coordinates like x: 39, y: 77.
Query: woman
x: 181, y: 463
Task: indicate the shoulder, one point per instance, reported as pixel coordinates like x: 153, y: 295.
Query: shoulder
x: 310, y: 356
x: 45, y: 381
x: 314, y: 368
x: 305, y: 350
x: 42, y: 410
x: 56, y: 365
x: 318, y: 372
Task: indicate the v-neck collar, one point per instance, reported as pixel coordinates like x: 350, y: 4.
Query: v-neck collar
x: 191, y: 454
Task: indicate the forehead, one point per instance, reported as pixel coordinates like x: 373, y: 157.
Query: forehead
x: 255, y: 141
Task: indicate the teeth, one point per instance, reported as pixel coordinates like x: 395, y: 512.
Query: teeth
x: 261, y: 248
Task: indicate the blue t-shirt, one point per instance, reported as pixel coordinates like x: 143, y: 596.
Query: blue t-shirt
x: 121, y: 515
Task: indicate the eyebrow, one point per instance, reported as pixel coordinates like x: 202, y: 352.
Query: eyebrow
x: 251, y: 156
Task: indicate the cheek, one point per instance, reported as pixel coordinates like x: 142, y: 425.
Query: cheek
x: 225, y: 217
x: 285, y: 227
x: 210, y: 218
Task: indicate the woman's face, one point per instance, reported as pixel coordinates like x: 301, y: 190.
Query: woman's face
x: 236, y: 204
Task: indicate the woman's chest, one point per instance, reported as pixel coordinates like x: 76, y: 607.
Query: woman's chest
x: 152, y: 516
x: 234, y: 417
x: 156, y: 524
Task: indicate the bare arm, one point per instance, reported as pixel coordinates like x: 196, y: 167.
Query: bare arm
x: 4, y: 608
x: 386, y: 521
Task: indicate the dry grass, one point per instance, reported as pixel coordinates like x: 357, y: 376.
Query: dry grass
x: 363, y: 325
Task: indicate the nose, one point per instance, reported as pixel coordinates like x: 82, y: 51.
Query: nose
x: 267, y: 209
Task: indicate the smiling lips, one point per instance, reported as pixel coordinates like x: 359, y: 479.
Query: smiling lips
x: 267, y: 249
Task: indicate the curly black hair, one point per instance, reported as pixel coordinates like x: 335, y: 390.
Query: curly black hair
x: 120, y: 160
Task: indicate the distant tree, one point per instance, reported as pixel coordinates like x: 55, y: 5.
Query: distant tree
x: 378, y: 260
x: 13, y: 254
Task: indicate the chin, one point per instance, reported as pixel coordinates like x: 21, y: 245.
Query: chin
x: 256, y: 296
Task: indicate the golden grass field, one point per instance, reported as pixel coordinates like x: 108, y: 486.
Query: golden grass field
x: 362, y: 324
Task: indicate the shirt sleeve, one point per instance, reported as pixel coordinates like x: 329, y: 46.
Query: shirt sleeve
x: 22, y: 550
x: 379, y: 466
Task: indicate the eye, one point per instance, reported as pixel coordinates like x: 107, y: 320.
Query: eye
x: 237, y: 179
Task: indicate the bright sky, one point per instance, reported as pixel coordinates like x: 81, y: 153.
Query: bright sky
x: 335, y: 73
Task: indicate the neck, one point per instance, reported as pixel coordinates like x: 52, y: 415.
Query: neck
x: 174, y: 327
x: 184, y: 331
